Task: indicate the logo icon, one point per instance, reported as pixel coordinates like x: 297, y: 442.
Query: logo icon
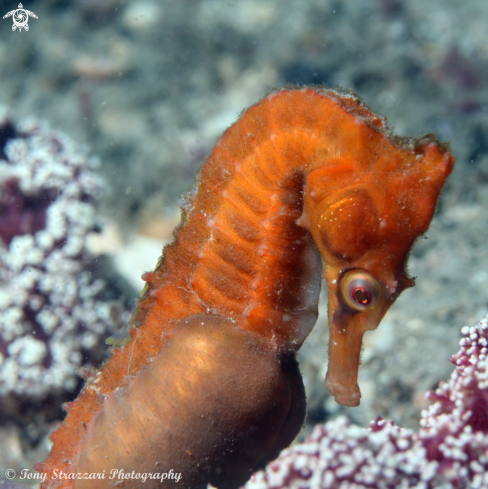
x: 20, y: 16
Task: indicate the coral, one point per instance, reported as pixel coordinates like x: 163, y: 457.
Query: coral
x: 51, y: 318
x: 450, y: 450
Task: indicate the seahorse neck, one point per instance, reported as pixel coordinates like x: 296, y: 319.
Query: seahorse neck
x: 240, y: 252
x: 257, y: 264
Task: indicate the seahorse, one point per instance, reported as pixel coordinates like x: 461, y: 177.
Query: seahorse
x: 308, y: 183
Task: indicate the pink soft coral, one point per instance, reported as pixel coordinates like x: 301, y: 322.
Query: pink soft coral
x: 450, y: 449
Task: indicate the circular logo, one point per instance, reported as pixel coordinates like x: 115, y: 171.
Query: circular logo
x: 20, y: 18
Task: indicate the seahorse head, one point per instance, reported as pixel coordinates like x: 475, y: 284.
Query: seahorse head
x: 365, y: 208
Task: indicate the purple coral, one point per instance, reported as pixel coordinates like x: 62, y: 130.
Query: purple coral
x: 51, y: 318
x: 450, y: 450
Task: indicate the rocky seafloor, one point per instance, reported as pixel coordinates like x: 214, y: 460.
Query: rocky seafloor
x: 149, y: 86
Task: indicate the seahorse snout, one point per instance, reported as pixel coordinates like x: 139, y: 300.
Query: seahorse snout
x: 348, y: 396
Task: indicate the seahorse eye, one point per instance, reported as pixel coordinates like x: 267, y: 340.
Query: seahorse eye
x: 360, y: 290
x: 361, y: 295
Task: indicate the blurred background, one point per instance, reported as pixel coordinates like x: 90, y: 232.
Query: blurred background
x: 148, y: 86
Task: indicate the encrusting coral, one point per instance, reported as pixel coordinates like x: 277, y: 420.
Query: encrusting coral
x: 450, y: 450
x: 51, y: 318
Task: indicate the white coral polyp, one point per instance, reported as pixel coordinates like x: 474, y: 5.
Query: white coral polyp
x: 27, y: 350
x: 47, y: 303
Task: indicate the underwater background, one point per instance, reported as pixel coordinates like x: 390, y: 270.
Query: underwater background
x: 146, y: 88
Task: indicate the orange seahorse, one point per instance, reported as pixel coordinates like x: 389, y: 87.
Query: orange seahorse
x: 208, y: 385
